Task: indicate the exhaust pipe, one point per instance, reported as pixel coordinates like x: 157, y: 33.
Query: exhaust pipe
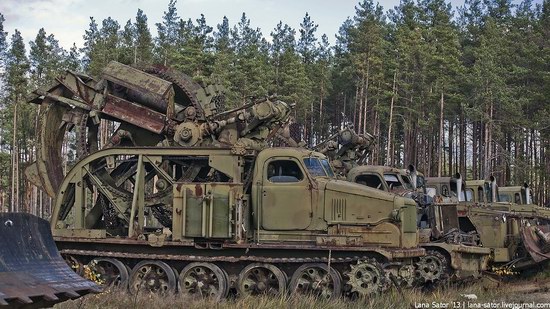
x: 493, y: 189
x: 413, y: 174
x: 459, y: 192
x: 527, y: 194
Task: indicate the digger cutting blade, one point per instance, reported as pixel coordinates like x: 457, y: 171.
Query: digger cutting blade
x: 32, y: 272
x: 533, y: 243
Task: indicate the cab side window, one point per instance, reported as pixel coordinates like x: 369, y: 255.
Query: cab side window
x: 372, y: 181
x: 445, y: 191
x: 517, y: 198
x: 469, y: 195
x: 281, y: 171
x: 504, y: 198
x: 480, y: 196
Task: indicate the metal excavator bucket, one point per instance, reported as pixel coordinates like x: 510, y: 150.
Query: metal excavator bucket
x: 32, y: 272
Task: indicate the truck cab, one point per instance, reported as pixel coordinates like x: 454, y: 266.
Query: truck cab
x: 520, y: 195
x: 294, y: 191
x: 480, y: 212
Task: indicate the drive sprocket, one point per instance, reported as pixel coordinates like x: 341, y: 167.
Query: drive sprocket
x: 432, y: 268
x: 365, y: 278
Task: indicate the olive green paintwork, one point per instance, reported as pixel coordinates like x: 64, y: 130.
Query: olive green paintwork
x: 316, y: 209
x: 493, y: 228
x: 325, y: 202
x: 467, y: 261
x: 498, y: 224
x: 516, y: 194
x: 379, y: 171
x: 483, y: 187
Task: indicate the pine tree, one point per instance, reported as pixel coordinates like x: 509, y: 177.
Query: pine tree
x: 5, y: 159
x: 342, y: 77
x: 221, y: 36
x: 167, y: 33
x: 127, y: 48
x: 367, y: 48
x: 223, y: 61
x: 143, y: 39
x: 39, y: 55
x: 321, y: 79
x: 3, y: 44
x: 193, y: 55
x: 72, y: 61
x: 307, y: 40
x: 90, y: 37
x: 443, y: 66
x: 251, y: 74
x: 46, y: 58
x: 17, y: 68
x: 306, y: 47
x: 106, y: 47
x: 282, y: 41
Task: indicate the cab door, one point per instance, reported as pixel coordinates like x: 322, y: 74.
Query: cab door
x: 285, y: 195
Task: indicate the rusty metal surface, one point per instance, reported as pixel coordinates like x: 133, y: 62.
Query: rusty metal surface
x: 134, y: 114
x: 391, y: 253
x: 533, y: 243
x: 48, y: 156
x: 32, y: 272
x: 218, y: 258
x: 136, y: 79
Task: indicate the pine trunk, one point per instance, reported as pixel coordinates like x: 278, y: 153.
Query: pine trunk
x: 441, y: 132
x: 389, y: 160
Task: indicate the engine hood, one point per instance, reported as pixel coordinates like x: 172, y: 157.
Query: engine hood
x: 352, y: 188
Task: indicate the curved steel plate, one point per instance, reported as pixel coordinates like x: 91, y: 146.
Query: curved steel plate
x: 32, y: 272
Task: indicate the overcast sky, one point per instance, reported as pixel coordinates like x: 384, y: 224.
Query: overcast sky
x: 67, y: 19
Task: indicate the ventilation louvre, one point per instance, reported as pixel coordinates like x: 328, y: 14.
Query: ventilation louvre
x: 338, y: 209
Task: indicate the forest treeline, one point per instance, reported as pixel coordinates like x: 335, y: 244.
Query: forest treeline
x: 450, y: 90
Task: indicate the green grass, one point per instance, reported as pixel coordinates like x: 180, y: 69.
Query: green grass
x: 484, y: 290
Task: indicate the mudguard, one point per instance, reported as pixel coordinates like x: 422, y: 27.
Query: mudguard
x: 32, y: 272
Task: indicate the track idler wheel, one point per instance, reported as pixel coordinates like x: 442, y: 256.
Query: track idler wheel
x: 154, y: 277
x: 316, y: 280
x: 204, y: 280
x: 433, y: 268
x: 365, y: 278
x: 110, y: 272
x: 260, y: 278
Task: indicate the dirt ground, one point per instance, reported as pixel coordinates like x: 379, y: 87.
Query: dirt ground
x: 528, y: 290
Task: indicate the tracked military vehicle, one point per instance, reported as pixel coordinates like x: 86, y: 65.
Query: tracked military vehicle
x: 450, y: 253
x: 516, y: 234
x: 520, y: 195
x: 185, y: 196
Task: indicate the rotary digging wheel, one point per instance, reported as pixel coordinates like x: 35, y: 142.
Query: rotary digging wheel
x: 365, y: 278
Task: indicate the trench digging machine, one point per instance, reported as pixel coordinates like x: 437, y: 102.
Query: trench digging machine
x: 517, y: 233
x: 186, y: 195
x: 460, y: 222
x: 172, y: 110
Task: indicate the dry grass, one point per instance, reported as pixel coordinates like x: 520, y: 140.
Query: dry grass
x: 485, y: 291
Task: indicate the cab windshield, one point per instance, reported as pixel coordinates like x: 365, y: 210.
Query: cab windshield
x: 314, y: 167
x: 327, y: 167
x: 407, y: 182
x: 392, y: 181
